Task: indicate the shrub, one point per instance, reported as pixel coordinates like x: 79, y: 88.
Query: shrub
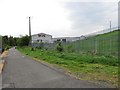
x: 7, y: 47
x: 32, y: 49
x: 39, y: 47
x: 70, y: 48
x: 59, y: 47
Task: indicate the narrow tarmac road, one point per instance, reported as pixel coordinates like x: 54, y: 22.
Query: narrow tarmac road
x: 23, y: 72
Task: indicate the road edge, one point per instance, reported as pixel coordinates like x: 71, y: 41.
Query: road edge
x: 2, y: 61
x: 62, y: 70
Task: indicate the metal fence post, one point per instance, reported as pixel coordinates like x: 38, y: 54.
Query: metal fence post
x: 0, y: 44
x: 95, y: 46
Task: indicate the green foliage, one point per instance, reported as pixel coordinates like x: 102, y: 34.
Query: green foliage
x: 7, y: 42
x: 23, y: 41
x: 11, y: 41
x: 98, y: 66
x: 59, y: 47
x: 70, y: 48
x: 32, y: 49
x: 68, y: 57
x: 4, y: 41
x: 7, y: 47
x: 41, y: 45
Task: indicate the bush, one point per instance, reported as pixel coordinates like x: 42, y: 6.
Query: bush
x: 7, y: 47
x: 70, y: 48
x: 32, y: 49
x: 23, y: 41
x: 3, y: 50
x: 59, y: 47
x: 39, y: 47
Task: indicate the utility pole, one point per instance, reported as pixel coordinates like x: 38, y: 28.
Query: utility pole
x: 30, y: 31
x: 29, y: 26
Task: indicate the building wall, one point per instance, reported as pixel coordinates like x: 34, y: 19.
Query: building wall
x: 48, y: 38
x: 66, y: 39
x: 43, y: 38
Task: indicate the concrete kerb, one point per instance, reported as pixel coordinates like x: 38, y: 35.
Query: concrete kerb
x: 2, y: 61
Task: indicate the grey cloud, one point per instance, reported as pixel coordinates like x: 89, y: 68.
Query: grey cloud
x: 86, y: 15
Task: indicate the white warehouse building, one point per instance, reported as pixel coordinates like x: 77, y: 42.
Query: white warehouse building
x: 66, y: 39
x: 46, y: 38
x: 42, y: 37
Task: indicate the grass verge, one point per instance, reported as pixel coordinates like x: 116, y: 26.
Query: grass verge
x: 103, y: 69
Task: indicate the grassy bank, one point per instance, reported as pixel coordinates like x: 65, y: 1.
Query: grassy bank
x: 104, y: 44
x: 87, y: 67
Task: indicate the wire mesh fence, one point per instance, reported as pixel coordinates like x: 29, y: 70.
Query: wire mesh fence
x: 101, y: 43
x: 106, y: 45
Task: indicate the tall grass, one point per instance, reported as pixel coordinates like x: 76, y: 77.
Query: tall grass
x: 103, y: 68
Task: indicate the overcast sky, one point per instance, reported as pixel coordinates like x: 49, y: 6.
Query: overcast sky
x: 57, y: 17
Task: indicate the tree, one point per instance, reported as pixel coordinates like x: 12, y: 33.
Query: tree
x: 11, y: 41
x: 4, y: 41
x: 23, y: 41
x: 15, y: 40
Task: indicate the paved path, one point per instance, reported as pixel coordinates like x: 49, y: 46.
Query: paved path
x: 23, y: 72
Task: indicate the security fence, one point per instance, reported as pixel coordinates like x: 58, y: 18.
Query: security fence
x: 105, y: 43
